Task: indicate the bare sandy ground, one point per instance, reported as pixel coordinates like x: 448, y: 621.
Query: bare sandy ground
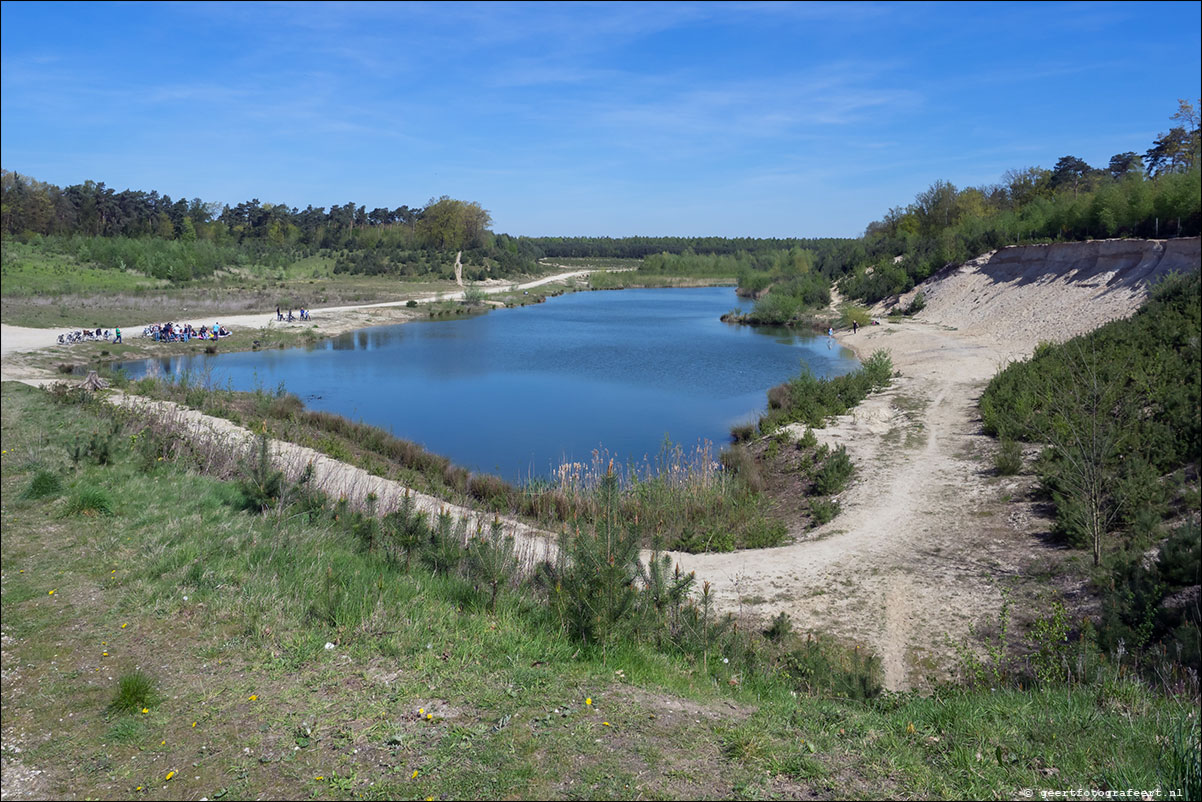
x: 327, y: 320
x: 927, y: 539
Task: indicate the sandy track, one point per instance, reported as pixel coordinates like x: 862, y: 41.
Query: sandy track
x: 927, y: 538
x: 327, y: 320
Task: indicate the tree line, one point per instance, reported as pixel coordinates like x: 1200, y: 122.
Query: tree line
x: 1154, y: 194
x: 1157, y: 194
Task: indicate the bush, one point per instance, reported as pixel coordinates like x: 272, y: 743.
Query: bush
x: 89, y: 501
x: 44, y: 485
x: 135, y: 693
x: 917, y: 304
x: 261, y: 485
x: 1009, y: 458
x: 834, y: 474
x: 824, y: 510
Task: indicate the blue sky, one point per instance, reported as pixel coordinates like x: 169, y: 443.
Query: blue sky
x: 748, y: 119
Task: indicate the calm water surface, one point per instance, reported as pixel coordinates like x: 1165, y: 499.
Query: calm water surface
x: 518, y: 391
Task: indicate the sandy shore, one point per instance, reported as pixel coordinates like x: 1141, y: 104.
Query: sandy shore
x: 927, y: 538
x: 326, y: 322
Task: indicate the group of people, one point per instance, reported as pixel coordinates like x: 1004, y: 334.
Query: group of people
x: 183, y: 332
x: 89, y: 336
x: 304, y: 315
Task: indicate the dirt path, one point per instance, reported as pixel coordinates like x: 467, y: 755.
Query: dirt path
x: 912, y: 558
x: 927, y: 539
x: 327, y: 321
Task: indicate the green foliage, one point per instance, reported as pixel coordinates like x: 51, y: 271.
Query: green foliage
x: 261, y: 484
x: 405, y: 531
x: 834, y: 474
x: 443, y: 552
x: 810, y: 400
x: 820, y: 666
x: 916, y: 305
x: 1008, y: 460
x: 824, y: 510
x: 1072, y: 201
x: 594, y: 587
x: 851, y: 313
x: 491, y: 560
x: 135, y: 692
x: 89, y: 501
x: 1149, y: 610
x: 473, y: 296
x: 780, y: 628
x: 1118, y: 407
x: 45, y: 484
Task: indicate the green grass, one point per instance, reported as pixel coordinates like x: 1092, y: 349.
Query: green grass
x: 135, y: 694
x: 28, y: 270
x: 231, y: 613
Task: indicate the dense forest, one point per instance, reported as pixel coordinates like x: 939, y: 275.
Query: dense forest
x: 1154, y: 194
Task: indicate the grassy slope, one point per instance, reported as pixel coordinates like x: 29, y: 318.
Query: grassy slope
x: 230, y: 614
x: 45, y: 288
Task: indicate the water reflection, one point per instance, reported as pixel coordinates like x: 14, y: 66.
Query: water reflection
x: 520, y: 390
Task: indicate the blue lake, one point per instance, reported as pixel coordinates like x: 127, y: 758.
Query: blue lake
x: 516, y: 392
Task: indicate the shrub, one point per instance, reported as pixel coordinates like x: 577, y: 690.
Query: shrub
x: 44, y: 485
x: 89, y: 501
x: 780, y: 628
x: 739, y: 461
x: 135, y: 692
x: 824, y: 510
x: 1009, y: 458
x: 261, y: 484
x: 492, y: 560
x: 742, y: 432
x: 832, y: 477
x: 592, y: 586
x: 917, y: 304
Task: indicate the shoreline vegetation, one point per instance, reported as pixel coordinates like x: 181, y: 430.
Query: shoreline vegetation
x: 532, y: 664
x: 213, y: 626
x: 691, y: 501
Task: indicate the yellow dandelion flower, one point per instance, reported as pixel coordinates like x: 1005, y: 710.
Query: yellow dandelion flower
x: 51, y: 593
x: 170, y: 774
x: 413, y: 776
x: 588, y: 701
x: 162, y: 743
x: 429, y: 716
x: 606, y: 724
x: 252, y: 698
x: 421, y: 710
x: 106, y: 654
x: 123, y: 626
x: 139, y: 788
x: 193, y: 723
x: 145, y: 710
x: 319, y: 778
